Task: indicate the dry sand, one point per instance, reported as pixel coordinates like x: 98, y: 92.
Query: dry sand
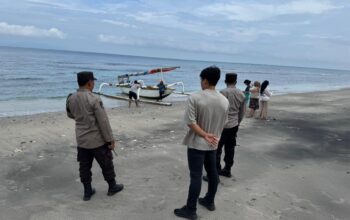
x: 294, y: 166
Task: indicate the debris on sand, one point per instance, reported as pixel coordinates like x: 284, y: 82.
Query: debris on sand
x: 17, y: 150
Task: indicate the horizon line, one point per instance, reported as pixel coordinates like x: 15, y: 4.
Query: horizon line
x: 167, y: 58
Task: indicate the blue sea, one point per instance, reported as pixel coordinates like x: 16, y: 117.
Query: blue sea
x: 34, y: 81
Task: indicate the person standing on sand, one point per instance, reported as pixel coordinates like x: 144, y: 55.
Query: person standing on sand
x: 254, y: 99
x: 161, y: 86
x: 206, y: 114
x: 93, y: 134
x: 236, y: 112
x: 247, y: 91
x: 265, y: 95
x: 133, y: 93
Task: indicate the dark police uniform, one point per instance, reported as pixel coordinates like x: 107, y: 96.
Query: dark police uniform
x: 93, y: 133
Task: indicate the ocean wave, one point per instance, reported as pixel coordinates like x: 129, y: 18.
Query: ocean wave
x: 125, y: 64
x: 32, y: 97
x: 67, y: 62
x: 24, y: 79
x: 57, y: 97
x: 255, y: 73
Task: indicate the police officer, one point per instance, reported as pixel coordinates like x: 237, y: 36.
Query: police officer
x: 93, y: 133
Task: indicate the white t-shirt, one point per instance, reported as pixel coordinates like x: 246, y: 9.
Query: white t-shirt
x: 208, y: 109
x: 135, y: 87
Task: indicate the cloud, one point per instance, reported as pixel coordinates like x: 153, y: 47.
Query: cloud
x: 170, y: 43
x: 119, y: 23
x: 252, y: 34
x: 334, y: 39
x: 30, y: 31
x: 67, y: 6
x: 120, y: 40
x: 323, y: 37
x: 257, y: 11
x: 168, y: 20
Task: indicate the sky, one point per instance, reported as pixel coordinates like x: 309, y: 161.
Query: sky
x: 311, y: 33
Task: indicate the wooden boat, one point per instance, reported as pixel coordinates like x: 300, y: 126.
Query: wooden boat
x: 149, y: 92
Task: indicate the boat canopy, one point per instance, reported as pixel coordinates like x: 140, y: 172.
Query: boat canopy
x: 125, y: 78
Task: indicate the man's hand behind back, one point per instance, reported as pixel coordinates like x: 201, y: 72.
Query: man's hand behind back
x: 212, y: 140
x: 112, y: 145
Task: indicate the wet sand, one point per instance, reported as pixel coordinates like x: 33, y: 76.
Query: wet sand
x: 293, y: 166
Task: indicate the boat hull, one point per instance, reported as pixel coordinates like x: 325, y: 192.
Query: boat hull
x: 149, y: 92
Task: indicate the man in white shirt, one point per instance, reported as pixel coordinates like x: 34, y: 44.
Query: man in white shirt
x: 133, y: 93
x: 206, y: 115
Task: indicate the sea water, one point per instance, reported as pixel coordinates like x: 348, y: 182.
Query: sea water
x: 34, y: 81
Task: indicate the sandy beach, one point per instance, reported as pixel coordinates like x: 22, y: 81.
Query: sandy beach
x: 293, y: 166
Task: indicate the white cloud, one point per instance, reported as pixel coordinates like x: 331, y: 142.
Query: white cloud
x: 120, y: 40
x: 119, y: 23
x: 172, y: 21
x: 252, y: 34
x: 323, y: 37
x: 171, y: 43
x: 67, y: 6
x: 295, y: 23
x: 258, y: 11
x: 30, y: 31
x: 213, y: 33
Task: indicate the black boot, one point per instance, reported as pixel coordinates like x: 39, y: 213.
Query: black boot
x: 184, y: 212
x: 205, y: 178
x: 209, y: 205
x: 88, y: 191
x: 114, y: 188
x: 225, y: 172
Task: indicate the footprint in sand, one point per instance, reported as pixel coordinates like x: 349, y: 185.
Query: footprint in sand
x: 12, y: 185
x: 276, y: 194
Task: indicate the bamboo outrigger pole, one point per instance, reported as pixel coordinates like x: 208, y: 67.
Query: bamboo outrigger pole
x: 141, y: 100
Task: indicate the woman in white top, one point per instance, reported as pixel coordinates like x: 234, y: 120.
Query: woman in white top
x: 265, y: 95
x: 254, y: 99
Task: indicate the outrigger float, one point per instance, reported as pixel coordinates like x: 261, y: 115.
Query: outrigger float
x: 148, y: 93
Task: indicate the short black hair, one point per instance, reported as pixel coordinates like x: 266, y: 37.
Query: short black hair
x: 231, y: 78
x: 212, y: 74
x: 84, y: 77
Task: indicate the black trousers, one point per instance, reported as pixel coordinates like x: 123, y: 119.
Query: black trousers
x: 228, y: 139
x: 196, y: 160
x: 132, y: 95
x: 103, y: 156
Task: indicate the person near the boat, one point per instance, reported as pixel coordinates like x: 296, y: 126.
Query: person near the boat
x: 236, y: 112
x: 246, y: 91
x: 93, y: 134
x: 254, y: 99
x: 161, y: 86
x: 133, y: 93
x: 206, y: 114
x: 265, y: 95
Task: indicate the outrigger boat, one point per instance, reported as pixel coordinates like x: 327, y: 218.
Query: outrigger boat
x: 149, y: 92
